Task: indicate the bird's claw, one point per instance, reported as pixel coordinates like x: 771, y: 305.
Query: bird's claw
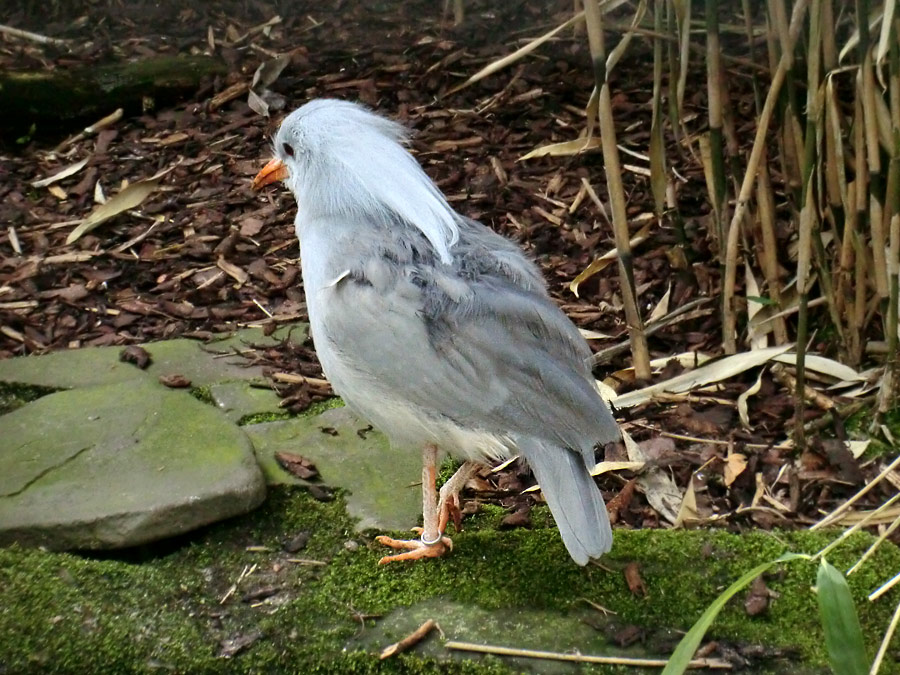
x: 451, y: 513
x: 415, y: 548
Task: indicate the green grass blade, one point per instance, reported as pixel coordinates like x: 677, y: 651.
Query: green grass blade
x: 843, y: 635
x: 681, y: 658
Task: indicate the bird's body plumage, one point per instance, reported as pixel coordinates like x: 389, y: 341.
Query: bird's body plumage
x: 433, y: 327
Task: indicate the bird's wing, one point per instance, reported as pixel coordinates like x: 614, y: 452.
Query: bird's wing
x: 483, y: 352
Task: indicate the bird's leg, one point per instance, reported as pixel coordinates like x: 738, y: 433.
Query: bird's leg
x: 431, y: 543
x: 448, y: 504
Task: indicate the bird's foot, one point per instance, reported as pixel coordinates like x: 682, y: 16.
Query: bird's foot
x: 415, y: 548
x: 450, y: 513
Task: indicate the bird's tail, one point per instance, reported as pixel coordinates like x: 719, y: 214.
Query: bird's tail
x: 573, y: 497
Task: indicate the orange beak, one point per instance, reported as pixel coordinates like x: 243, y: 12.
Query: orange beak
x: 275, y: 170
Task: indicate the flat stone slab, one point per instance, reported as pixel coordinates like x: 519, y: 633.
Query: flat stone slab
x: 202, y: 363
x: 383, y: 481
x: 85, y: 367
x: 240, y: 399
x: 516, y: 627
x: 119, y: 465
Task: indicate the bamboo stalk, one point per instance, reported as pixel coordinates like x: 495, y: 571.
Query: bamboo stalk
x: 729, y: 315
x: 580, y: 658
x: 658, y: 172
x: 714, y: 95
x: 746, y: 7
x: 640, y: 353
x: 889, y: 384
x: 808, y: 214
x: 790, y: 109
x: 766, y: 201
x: 867, y: 94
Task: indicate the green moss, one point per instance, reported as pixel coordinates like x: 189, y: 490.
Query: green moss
x: 447, y: 469
x: 14, y: 395
x: 313, y: 409
x: 164, y: 608
x: 260, y: 418
x: 859, y: 425
x: 203, y: 394
x: 318, y: 407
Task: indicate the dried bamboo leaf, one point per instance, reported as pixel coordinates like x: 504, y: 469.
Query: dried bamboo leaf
x: 662, y: 307
x: 70, y: 170
x: 268, y: 72
x: 257, y: 104
x: 742, y: 401
x: 588, y: 334
x: 606, y: 467
x: 688, y: 511
x: 129, y: 198
x: 757, y: 339
x: 502, y: 63
x: 620, y: 48
x: 564, y: 149
x: 716, y: 371
x: 662, y: 493
x: 735, y: 464
x: 824, y: 365
x: 599, y: 264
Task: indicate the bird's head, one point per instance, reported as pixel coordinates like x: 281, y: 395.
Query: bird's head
x: 340, y: 159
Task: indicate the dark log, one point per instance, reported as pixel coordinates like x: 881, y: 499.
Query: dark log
x: 56, y: 101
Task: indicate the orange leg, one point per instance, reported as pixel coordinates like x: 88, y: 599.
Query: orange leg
x: 448, y: 505
x: 432, y: 543
x: 436, y: 513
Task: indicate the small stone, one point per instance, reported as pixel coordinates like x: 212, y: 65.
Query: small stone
x: 297, y: 543
x: 351, y: 545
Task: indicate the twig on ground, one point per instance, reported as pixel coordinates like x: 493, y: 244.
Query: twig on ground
x: 410, y: 640
x: 581, y: 658
x: 34, y: 37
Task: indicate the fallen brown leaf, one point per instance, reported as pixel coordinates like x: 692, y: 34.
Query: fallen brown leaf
x: 634, y: 581
x: 175, y: 381
x: 136, y: 355
x: 296, y: 465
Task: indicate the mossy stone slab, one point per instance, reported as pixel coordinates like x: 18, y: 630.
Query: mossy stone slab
x: 202, y: 364
x: 220, y: 360
x: 297, y: 333
x: 240, y: 399
x: 518, y: 627
x: 85, y: 367
x: 119, y: 465
x: 383, y: 481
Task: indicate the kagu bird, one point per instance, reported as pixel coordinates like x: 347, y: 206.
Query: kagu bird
x: 434, y: 328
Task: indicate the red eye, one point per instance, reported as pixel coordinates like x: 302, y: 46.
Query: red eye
x: 288, y: 149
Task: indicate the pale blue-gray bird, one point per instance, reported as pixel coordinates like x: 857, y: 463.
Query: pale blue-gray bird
x: 434, y: 328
